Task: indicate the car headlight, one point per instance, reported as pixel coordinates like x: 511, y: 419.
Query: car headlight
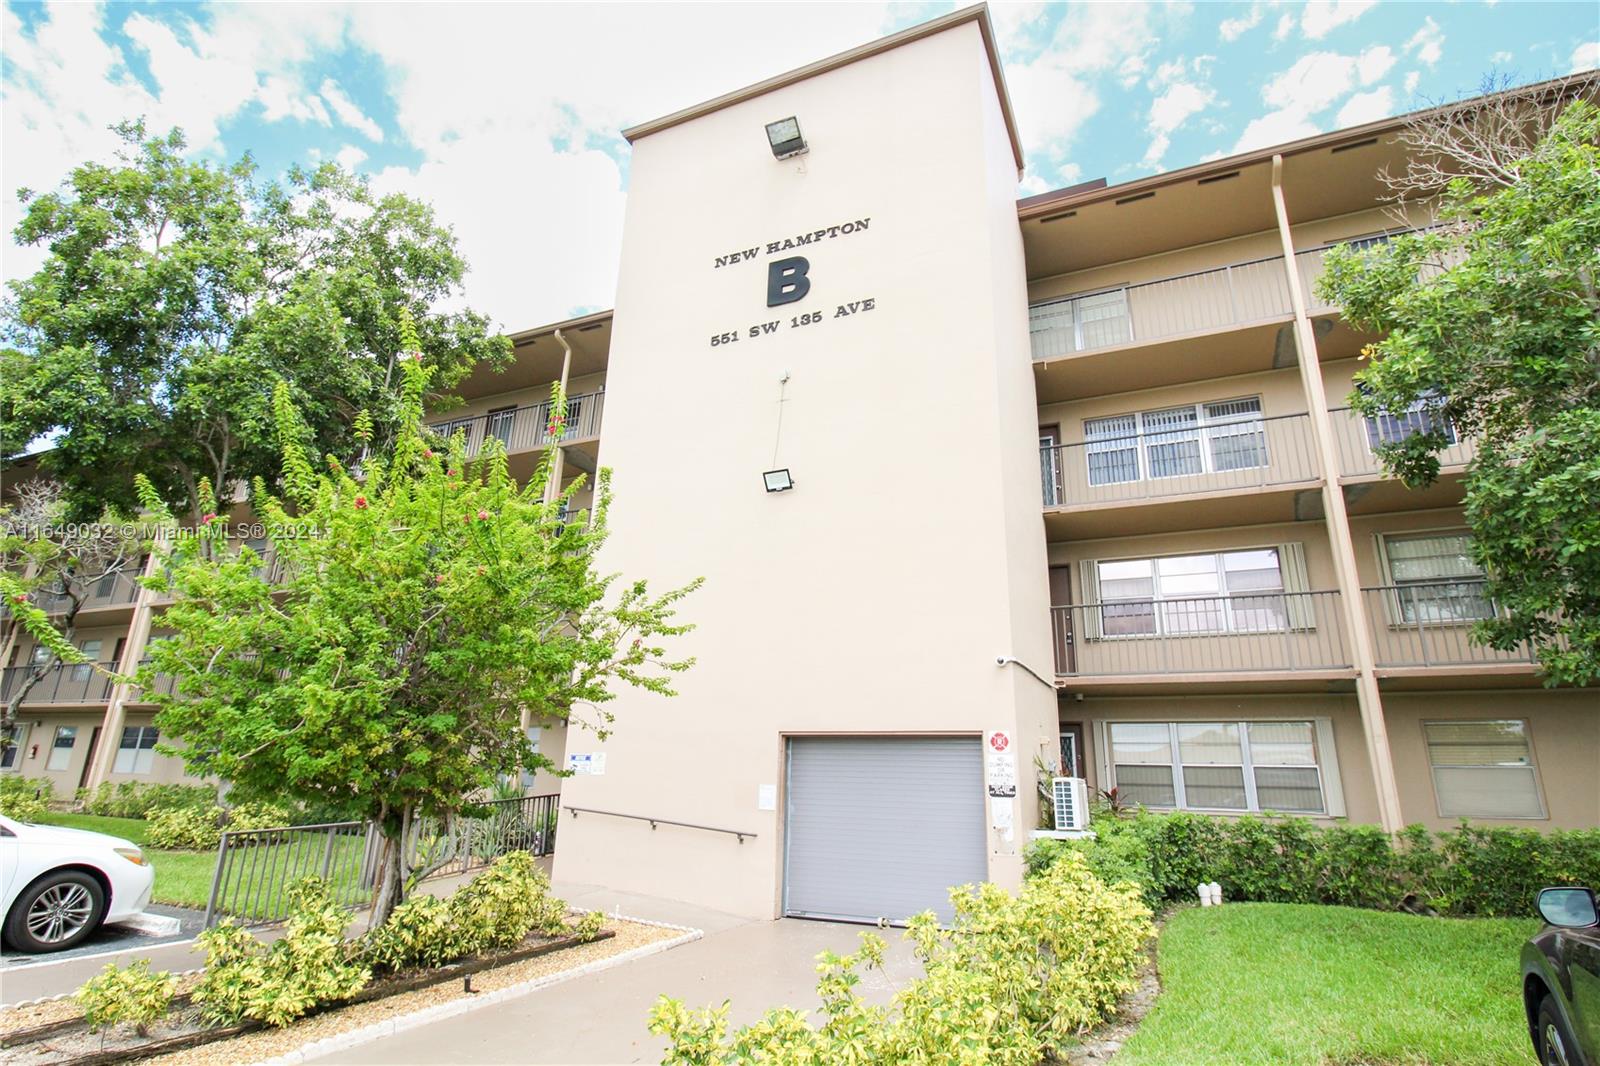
x: 133, y: 855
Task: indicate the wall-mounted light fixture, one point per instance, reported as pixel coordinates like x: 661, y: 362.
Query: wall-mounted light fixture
x: 785, y: 139
x: 778, y: 480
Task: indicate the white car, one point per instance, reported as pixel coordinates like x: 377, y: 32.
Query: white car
x: 59, y: 885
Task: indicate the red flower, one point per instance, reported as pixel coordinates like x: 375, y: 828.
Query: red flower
x: 416, y: 357
x: 207, y: 519
x: 427, y: 453
x: 453, y: 473
x: 439, y: 580
x: 483, y: 516
x: 19, y: 598
x: 361, y: 503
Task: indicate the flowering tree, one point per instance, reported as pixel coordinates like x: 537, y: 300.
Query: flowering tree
x: 427, y: 605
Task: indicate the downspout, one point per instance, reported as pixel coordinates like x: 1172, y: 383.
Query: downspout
x: 553, y: 489
x: 1368, y: 697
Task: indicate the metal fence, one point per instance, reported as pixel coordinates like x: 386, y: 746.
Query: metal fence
x: 117, y: 587
x: 1358, y: 438
x: 1260, y: 632
x: 255, y: 867
x: 522, y: 428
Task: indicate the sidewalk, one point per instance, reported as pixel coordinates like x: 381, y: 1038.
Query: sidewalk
x: 601, y: 1017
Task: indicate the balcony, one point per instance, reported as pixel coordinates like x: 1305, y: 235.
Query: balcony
x: 75, y: 685
x: 522, y: 429
x: 1427, y: 628
x: 1248, y: 455
x: 165, y: 684
x: 1357, y: 439
x: 1273, y: 636
x: 118, y: 589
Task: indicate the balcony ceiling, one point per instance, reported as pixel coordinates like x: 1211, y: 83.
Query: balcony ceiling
x: 1062, y: 233
x: 537, y: 356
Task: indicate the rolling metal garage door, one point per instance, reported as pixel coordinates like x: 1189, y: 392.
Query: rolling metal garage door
x: 882, y: 827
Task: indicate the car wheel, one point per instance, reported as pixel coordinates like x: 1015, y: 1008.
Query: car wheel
x: 56, y: 912
x: 1555, y: 1045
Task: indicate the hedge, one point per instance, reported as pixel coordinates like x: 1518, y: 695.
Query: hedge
x: 1469, y: 870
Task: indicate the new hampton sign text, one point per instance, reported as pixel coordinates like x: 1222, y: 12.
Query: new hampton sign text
x: 789, y: 281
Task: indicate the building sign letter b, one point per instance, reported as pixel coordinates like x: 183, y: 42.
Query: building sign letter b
x: 787, y: 281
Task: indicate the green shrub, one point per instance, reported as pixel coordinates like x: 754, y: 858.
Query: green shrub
x: 184, y: 828
x: 1469, y: 870
x: 495, y: 910
x: 308, y: 966
x: 130, y: 994
x: 1008, y: 984
x: 135, y: 799
x: 259, y: 814
x: 23, y: 798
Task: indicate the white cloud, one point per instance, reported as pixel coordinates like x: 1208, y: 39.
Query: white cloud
x: 1413, y: 78
x: 1586, y: 56
x: 347, y: 111
x: 1501, y: 58
x: 1322, y: 16
x: 1315, y: 81
x: 1284, y: 28
x: 1232, y: 29
x: 1366, y: 107
x: 1374, y: 63
x: 350, y: 157
x: 1275, y: 127
x: 1169, y: 111
x: 1427, y: 43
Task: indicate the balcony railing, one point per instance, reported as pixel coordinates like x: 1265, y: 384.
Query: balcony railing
x: 107, y: 591
x: 524, y: 428
x: 1249, y: 452
x: 77, y: 683
x: 1265, y: 632
x: 1430, y: 624
x: 1358, y: 438
x: 165, y: 684
x: 1238, y: 294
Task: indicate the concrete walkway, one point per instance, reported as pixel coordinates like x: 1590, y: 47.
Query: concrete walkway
x: 600, y: 1018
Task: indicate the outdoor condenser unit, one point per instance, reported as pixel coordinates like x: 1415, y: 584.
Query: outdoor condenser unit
x: 1071, y: 801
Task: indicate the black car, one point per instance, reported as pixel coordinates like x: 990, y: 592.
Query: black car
x: 1561, y: 979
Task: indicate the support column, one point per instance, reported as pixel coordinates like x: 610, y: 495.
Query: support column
x: 133, y: 649
x: 1338, y: 519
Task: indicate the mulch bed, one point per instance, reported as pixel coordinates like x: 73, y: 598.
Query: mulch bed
x: 68, y: 1040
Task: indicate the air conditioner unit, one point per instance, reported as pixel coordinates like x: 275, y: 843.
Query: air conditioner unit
x: 1071, y: 801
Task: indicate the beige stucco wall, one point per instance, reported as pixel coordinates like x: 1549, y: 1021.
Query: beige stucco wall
x: 42, y: 725
x: 875, y: 596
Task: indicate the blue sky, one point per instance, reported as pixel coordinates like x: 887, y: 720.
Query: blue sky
x: 505, y: 117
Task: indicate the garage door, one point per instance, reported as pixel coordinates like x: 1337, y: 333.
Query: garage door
x: 881, y: 827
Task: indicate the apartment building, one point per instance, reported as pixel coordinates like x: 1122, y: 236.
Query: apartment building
x: 983, y: 491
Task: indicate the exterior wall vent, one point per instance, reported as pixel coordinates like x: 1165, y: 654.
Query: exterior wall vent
x: 1064, y: 214
x: 1135, y: 196
x: 1218, y: 177
x: 1356, y: 144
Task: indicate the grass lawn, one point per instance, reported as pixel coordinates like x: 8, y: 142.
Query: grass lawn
x: 182, y: 877
x: 1289, y: 984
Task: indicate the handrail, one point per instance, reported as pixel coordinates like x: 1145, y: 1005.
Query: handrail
x: 740, y: 833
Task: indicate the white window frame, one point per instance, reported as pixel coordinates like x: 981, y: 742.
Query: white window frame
x: 1036, y: 313
x: 1224, y: 597
x: 138, y: 750
x: 70, y: 733
x: 17, y: 743
x: 1203, y: 431
x: 1397, y: 603
x: 1532, y: 768
x: 1326, y: 762
x: 1417, y: 417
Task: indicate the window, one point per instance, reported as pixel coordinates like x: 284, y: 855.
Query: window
x: 136, y: 754
x: 534, y: 734
x: 1050, y: 468
x: 11, y: 741
x: 500, y: 422
x: 1219, y: 592
x: 1080, y: 322
x: 82, y: 672
x: 1483, y: 769
x: 1191, y: 440
x: 61, y: 747
x: 1435, y: 579
x: 1424, y: 415
x: 1219, y: 766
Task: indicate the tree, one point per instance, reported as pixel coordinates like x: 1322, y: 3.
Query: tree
x: 49, y: 568
x: 176, y: 294
x: 427, y: 607
x: 1491, y: 320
